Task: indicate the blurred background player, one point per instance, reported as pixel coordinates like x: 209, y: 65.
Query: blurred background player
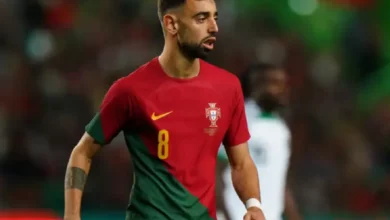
x: 265, y: 87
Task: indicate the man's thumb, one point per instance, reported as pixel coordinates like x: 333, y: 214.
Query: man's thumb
x: 247, y: 216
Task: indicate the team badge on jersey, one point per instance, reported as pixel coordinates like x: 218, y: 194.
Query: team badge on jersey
x: 213, y: 114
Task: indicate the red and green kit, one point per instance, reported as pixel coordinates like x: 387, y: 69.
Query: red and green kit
x: 173, y: 129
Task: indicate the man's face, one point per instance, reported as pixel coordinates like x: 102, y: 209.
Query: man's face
x: 197, y: 28
x: 271, y: 91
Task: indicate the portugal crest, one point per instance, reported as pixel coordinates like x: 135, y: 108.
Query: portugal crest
x: 213, y: 114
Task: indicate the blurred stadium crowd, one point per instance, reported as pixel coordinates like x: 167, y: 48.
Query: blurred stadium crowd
x: 58, y: 58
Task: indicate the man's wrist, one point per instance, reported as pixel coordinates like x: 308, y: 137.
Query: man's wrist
x: 253, y: 203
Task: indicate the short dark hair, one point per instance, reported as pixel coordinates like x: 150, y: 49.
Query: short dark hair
x: 257, y: 68
x: 164, y: 5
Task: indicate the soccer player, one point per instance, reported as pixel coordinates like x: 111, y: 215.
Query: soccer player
x: 174, y: 112
x: 266, y: 86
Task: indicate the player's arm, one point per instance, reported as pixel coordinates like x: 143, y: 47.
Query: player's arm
x: 291, y: 209
x: 244, y: 172
x: 76, y: 175
x: 114, y: 113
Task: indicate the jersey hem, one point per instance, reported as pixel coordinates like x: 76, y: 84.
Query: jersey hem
x: 238, y: 142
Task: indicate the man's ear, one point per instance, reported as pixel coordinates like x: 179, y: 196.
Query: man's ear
x: 171, y: 24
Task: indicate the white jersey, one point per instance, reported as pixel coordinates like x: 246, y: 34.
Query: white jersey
x: 252, y: 110
x: 270, y: 150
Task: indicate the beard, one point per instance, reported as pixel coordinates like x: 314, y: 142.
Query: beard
x: 193, y: 50
x: 270, y: 103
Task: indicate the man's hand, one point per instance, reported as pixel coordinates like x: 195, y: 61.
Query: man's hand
x: 254, y: 213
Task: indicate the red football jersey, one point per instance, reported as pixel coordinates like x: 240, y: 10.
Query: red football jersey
x: 173, y: 129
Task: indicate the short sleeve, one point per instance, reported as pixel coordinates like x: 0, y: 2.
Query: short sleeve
x: 237, y: 132
x: 113, y: 114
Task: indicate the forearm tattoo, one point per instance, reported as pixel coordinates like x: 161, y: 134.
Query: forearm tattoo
x: 75, y: 178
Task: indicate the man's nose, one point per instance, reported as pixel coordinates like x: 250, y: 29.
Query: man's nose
x: 213, y: 27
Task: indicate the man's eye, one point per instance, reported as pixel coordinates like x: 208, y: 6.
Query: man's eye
x: 201, y: 19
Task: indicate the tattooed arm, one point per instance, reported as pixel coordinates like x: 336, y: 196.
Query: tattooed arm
x: 76, y: 175
x: 114, y: 112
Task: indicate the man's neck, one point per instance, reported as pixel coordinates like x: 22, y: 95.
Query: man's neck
x: 176, y: 65
x: 267, y: 113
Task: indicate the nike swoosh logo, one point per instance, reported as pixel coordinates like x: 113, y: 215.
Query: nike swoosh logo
x: 157, y: 117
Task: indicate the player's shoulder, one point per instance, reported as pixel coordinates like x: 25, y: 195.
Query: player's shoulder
x: 221, y: 75
x: 283, y: 124
x: 130, y: 82
x: 143, y: 71
x: 139, y: 75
